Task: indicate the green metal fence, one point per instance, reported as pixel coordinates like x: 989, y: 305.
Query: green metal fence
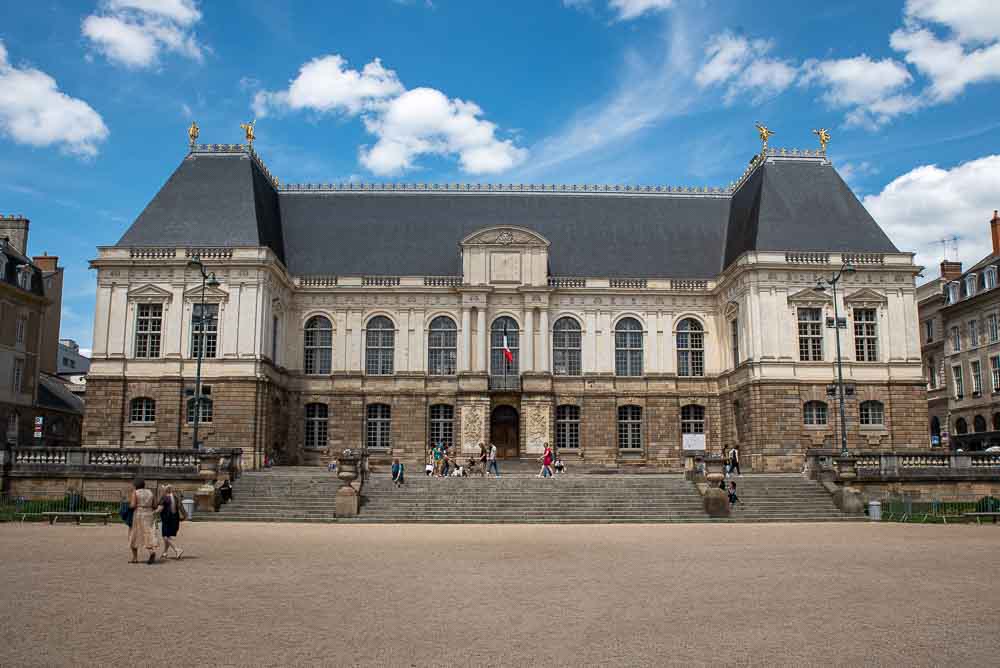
x: 22, y: 508
x: 933, y: 510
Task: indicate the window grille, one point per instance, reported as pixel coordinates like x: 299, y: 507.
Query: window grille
x: 865, y: 335
x: 567, y: 427
x: 872, y: 413
x: 566, y: 340
x: 628, y: 347
x: 810, y: 335
x: 204, y: 329
x: 977, y: 377
x: 499, y: 366
x: 956, y: 372
x: 318, y: 346
x: 995, y: 372
x: 629, y: 427
x: 692, y: 419
x: 148, y: 325
x: 207, y: 408
x: 442, y: 424
x: 814, y: 413
x: 381, y: 340
x: 317, y: 425
x: 690, y: 348
x: 442, y: 342
x: 143, y: 409
x: 378, y: 426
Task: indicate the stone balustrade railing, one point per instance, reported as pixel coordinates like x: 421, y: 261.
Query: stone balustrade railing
x: 121, y: 462
x: 900, y: 466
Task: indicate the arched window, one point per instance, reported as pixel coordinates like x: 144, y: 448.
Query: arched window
x: 501, y: 364
x: 692, y: 419
x: 814, y: 413
x: 690, y: 348
x: 378, y: 426
x: 567, y: 427
x: 961, y: 426
x: 380, y: 346
x: 628, y: 348
x: 317, y: 422
x: 442, y: 424
x: 318, y: 346
x: 441, y: 347
x: 979, y: 423
x: 629, y: 427
x: 142, y: 409
x: 206, y: 407
x: 872, y: 413
x: 566, y: 347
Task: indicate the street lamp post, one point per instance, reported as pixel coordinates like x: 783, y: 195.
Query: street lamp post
x: 207, y: 279
x: 845, y: 269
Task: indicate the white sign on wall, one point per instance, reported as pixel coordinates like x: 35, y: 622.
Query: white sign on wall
x: 693, y: 441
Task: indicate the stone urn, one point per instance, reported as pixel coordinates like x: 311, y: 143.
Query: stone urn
x: 715, y: 469
x: 348, y: 501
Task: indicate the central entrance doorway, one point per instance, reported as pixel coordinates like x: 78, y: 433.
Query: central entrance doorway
x: 504, y: 431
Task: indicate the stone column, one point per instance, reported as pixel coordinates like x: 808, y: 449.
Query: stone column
x: 463, y: 341
x: 543, y: 340
x: 527, y: 341
x: 481, y: 340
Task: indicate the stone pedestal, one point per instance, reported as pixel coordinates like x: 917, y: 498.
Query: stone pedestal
x: 849, y: 500
x: 347, y: 502
x: 716, y: 502
x: 204, y: 499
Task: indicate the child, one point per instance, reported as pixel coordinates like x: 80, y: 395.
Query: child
x: 733, y: 498
x: 560, y: 467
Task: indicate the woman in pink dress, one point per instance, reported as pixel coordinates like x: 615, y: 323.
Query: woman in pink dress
x: 142, y: 533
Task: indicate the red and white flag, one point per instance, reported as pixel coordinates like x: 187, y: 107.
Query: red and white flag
x: 508, y: 355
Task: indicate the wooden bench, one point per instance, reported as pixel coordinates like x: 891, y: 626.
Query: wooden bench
x: 979, y: 516
x: 53, y: 516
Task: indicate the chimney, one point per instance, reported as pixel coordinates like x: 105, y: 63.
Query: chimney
x: 15, y: 229
x: 995, y: 232
x: 951, y: 271
x: 46, y: 262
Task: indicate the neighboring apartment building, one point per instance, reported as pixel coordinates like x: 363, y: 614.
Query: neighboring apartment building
x: 72, y: 367
x: 960, y: 343
x: 35, y: 409
x: 628, y: 324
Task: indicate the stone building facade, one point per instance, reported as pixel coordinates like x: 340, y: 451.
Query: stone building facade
x: 628, y: 325
x: 960, y: 335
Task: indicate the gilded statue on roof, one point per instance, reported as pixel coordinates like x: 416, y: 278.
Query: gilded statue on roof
x: 193, y: 133
x: 824, y: 138
x: 248, y: 129
x: 765, y: 134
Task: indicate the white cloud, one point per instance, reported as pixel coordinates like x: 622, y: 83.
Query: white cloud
x: 869, y: 89
x: 407, y: 123
x: 326, y: 84
x: 35, y: 112
x: 626, y: 10
x: 133, y: 33
x: 741, y: 64
x: 929, y: 203
x: 970, y: 20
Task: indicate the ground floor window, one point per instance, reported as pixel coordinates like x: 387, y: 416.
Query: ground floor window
x: 317, y: 424
x: 629, y: 427
x: 814, y: 413
x: 692, y: 419
x: 378, y: 426
x: 567, y: 427
x: 143, y: 409
x: 205, y: 415
x: 442, y: 424
x: 872, y: 413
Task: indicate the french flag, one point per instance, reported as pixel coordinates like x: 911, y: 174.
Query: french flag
x: 507, y: 354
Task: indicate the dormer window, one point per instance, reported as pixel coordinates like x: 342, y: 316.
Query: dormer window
x: 970, y: 285
x: 953, y: 293
x: 24, y: 277
x: 990, y: 278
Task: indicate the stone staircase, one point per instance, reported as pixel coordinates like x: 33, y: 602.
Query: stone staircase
x: 784, y: 498
x: 306, y: 494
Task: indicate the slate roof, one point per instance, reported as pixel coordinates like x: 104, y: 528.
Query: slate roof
x: 785, y: 205
x: 53, y: 393
x: 10, y: 267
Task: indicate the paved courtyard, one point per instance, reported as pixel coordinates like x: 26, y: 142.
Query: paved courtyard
x: 252, y: 594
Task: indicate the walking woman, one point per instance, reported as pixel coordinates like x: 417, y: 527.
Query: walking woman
x: 734, y: 461
x: 171, y: 514
x: 142, y: 533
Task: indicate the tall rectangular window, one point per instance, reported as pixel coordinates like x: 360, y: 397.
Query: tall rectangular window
x: 973, y: 333
x: 204, y: 329
x: 995, y: 372
x: 734, y: 340
x: 629, y: 428
x: 932, y: 378
x: 865, y: 335
x: 810, y: 335
x: 567, y: 427
x: 17, y: 377
x: 956, y: 372
x: 20, y: 326
x: 148, y: 326
x: 977, y: 377
x: 993, y: 327
x: 956, y: 339
x: 928, y: 331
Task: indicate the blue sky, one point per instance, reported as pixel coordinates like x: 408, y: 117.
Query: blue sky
x: 95, y: 99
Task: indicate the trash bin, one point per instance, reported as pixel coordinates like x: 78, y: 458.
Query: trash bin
x: 188, y: 507
x: 875, y: 511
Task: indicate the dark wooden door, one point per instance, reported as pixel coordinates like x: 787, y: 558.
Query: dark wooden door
x: 504, y: 431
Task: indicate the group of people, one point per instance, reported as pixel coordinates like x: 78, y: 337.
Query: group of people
x: 731, y: 457
x: 550, y: 463
x: 441, y: 464
x: 140, y: 513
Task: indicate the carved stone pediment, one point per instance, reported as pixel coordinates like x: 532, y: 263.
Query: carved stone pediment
x: 865, y: 297
x: 211, y: 295
x: 810, y: 297
x: 505, y: 235
x: 149, y: 293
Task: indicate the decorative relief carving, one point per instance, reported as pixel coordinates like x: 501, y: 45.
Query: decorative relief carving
x: 537, y: 421
x: 473, y: 427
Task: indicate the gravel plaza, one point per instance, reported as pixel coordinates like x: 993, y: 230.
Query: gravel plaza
x: 290, y: 594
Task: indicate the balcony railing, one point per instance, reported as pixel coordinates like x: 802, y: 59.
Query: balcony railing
x: 505, y: 383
